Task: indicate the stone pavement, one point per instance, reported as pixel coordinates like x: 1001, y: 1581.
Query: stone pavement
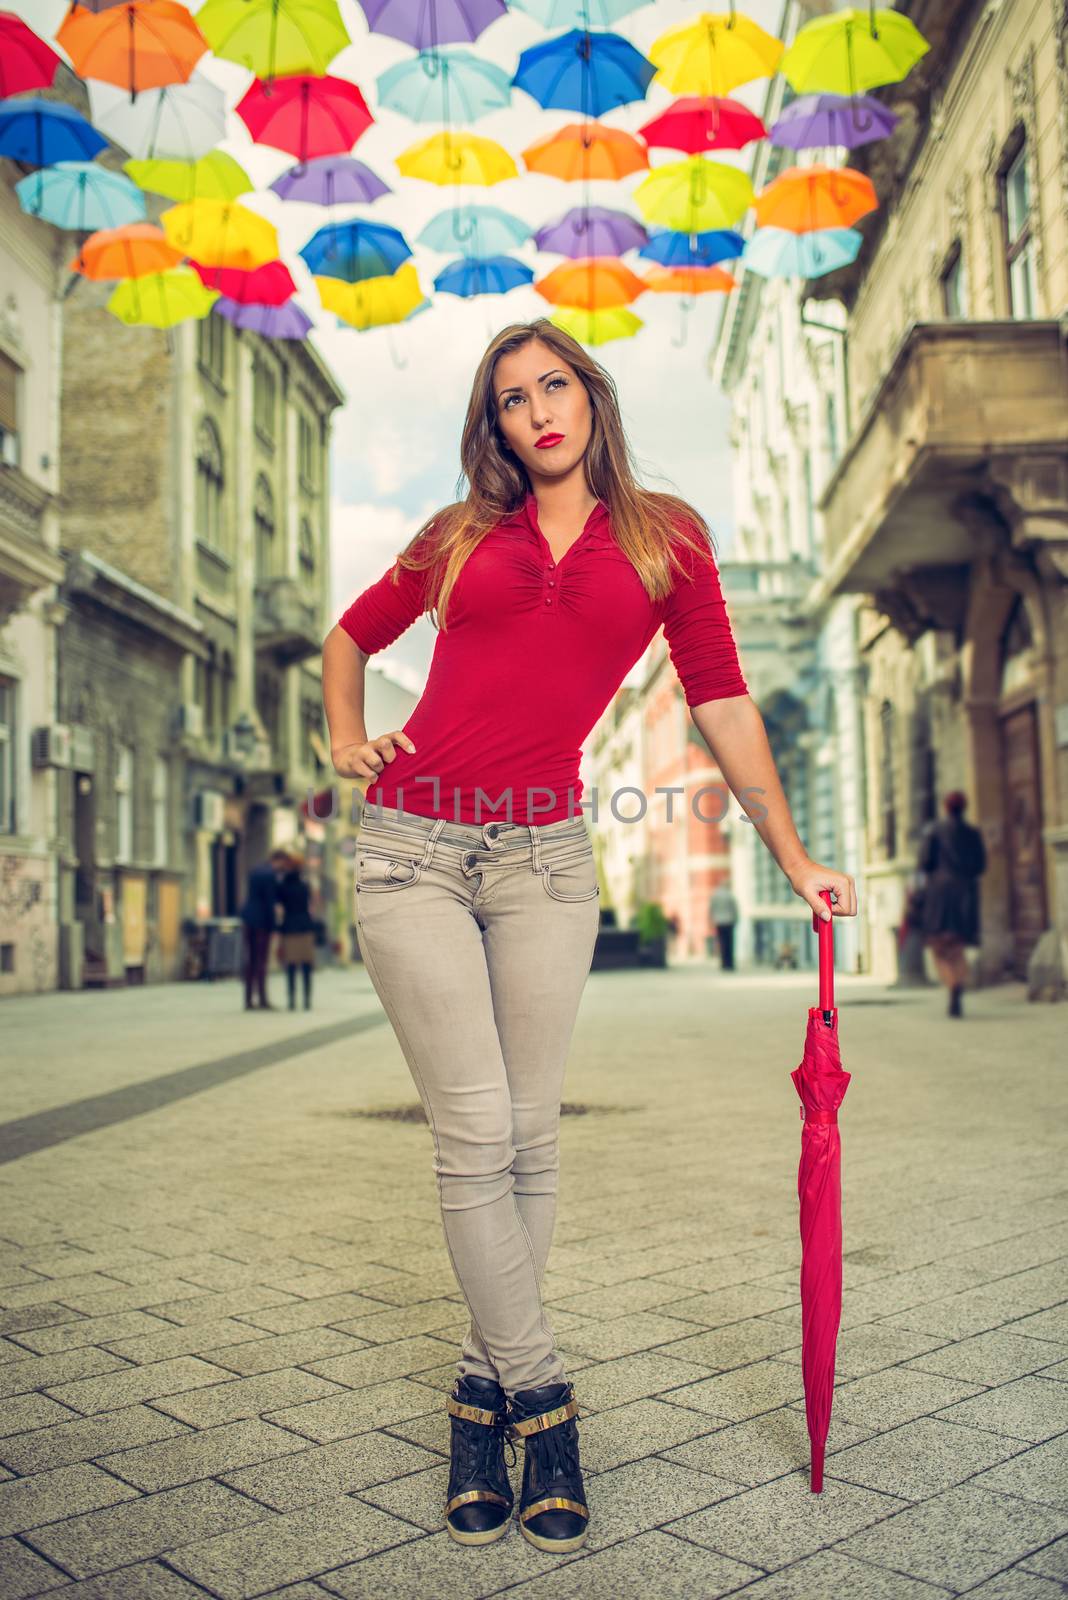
x: 228, y: 1320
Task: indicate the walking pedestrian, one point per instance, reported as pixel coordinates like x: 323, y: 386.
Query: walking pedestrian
x: 298, y: 929
x: 953, y: 857
x: 723, y: 912
x: 548, y: 581
x: 259, y: 915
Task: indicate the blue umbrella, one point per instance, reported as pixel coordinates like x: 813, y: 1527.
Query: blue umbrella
x: 81, y: 196
x: 588, y: 72
x: 779, y: 253
x: 40, y: 132
x: 591, y: 231
x: 444, y: 86
x: 473, y: 275
x: 693, y: 249
x: 353, y: 251
x: 474, y: 230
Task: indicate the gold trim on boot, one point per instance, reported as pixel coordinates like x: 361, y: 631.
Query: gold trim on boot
x: 496, y: 1420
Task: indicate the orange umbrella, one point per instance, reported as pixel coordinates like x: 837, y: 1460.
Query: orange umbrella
x: 804, y: 199
x: 687, y: 280
x: 591, y: 283
x: 586, y: 151
x: 141, y: 44
x: 131, y: 251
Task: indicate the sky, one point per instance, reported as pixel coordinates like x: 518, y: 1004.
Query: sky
x: 395, y: 455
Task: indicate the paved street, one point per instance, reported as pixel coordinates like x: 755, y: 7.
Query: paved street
x: 229, y: 1320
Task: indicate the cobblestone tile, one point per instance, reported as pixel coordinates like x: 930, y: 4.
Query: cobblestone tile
x: 921, y: 1458
x: 650, y: 1564
x: 85, y: 1438
x: 42, y: 1315
x: 886, y: 1399
x: 196, y: 1339
x: 84, y: 1331
x: 25, y: 1572
x: 72, y: 1290
x: 871, y: 1347
x: 1016, y: 1583
x: 132, y: 1297
x: 44, y: 1372
x: 23, y: 1412
x: 830, y: 1573
x: 643, y: 1494
x: 417, y: 1498
x: 146, y: 1580
x: 643, y: 1428
x: 623, y: 1336
x: 637, y: 1377
x: 1040, y: 1473
x: 1030, y: 1408
x: 268, y: 1354
x: 743, y: 1392
x: 29, y: 1502
x: 340, y: 1468
x: 295, y: 1315
x: 403, y: 1322
x: 353, y: 1411
x: 207, y: 1453
x: 748, y: 1453
x: 247, y: 1303
x: 737, y: 1303
x: 1051, y: 1560
x: 213, y: 1405
x: 619, y: 1299
x: 134, y: 1384
x: 737, y: 1345
x: 378, y: 1362
x: 429, y: 1566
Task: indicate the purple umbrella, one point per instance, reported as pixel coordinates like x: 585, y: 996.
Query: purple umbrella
x: 591, y: 231
x: 286, y: 321
x: 817, y: 120
x: 330, y: 180
x: 434, y: 22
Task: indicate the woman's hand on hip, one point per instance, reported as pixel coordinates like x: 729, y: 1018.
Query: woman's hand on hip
x: 809, y: 878
x: 367, y: 760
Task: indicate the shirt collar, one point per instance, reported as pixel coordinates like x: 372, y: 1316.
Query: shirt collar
x: 526, y: 515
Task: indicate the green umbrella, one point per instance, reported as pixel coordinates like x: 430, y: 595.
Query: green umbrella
x: 215, y: 176
x: 849, y: 51
x: 275, y: 38
x: 161, y: 299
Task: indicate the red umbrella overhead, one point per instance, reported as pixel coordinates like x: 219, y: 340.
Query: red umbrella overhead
x: 269, y: 285
x: 26, y: 62
x: 821, y: 1085
x: 305, y: 115
x: 700, y: 122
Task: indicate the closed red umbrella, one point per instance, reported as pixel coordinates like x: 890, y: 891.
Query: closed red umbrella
x: 821, y: 1085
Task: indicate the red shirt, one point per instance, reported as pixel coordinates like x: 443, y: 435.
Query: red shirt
x: 533, y: 653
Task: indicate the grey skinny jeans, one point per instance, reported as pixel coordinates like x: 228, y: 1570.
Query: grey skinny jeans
x: 478, y: 939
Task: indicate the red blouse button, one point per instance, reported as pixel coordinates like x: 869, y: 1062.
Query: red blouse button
x: 548, y: 600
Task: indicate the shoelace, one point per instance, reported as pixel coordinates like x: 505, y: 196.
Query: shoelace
x: 477, y: 1448
x: 555, y: 1454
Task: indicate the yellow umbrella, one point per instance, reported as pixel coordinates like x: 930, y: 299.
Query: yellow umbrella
x: 457, y: 158
x: 714, y: 54
x: 160, y: 299
x: 215, y: 176
x: 597, y: 327
x: 695, y: 194
x: 372, y: 302
x: 221, y: 233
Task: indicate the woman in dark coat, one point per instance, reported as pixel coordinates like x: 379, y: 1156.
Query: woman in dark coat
x: 298, y: 930
x: 953, y: 857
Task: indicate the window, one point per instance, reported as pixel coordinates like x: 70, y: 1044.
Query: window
x: 7, y: 755
x: 124, y: 772
x: 830, y: 420
x: 10, y: 377
x: 307, y: 451
x: 211, y: 346
x: 888, y: 810
x: 954, y: 285
x: 810, y: 506
x: 307, y: 550
x: 263, y: 398
x: 1019, y: 242
x: 209, y: 485
x: 160, y: 811
x: 264, y: 527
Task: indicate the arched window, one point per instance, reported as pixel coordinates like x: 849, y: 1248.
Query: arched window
x: 307, y: 550
x: 264, y: 526
x: 209, y: 485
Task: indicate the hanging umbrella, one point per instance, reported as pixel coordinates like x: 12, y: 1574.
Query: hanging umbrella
x: 161, y: 299
x: 269, y: 285
x: 26, y: 62
x: 308, y: 116
x: 591, y: 231
x: 579, y: 152
x: 599, y: 14
x: 41, y: 132
x: 432, y: 22
x: 695, y: 194
x: 696, y: 123
x: 373, y: 301
x: 181, y: 120
x: 330, y: 181
x: 687, y: 280
x: 806, y: 198
x: 272, y: 37
x: 825, y: 121
x: 852, y: 50
x: 597, y: 327
x: 693, y: 249
x: 80, y: 196
x: 595, y: 284
x: 355, y: 250
x: 286, y: 321
x: 130, y: 251
x: 713, y: 54
x: 139, y: 45
x: 96, y: 5
x: 473, y: 275
x: 821, y: 1085
x: 216, y: 176
x: 780, y: 253
x: 220, y: 233
x: 476, y: 230
x: 457, y: 158
x: 439, y: 87
x: 581, y: 71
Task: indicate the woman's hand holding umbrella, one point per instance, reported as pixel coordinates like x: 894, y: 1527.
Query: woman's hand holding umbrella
x: 809, y: 880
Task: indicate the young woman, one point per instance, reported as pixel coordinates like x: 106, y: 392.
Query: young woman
x: 475, y: 880
x: 297, y: 930
x: 953, y: 856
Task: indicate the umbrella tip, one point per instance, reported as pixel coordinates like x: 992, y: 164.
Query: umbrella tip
x: 815, y: 1481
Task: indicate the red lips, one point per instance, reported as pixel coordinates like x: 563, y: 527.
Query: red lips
x: 546, y: 440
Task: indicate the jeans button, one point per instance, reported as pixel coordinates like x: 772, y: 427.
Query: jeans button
x: 492, y: 832
x: 469, y: 860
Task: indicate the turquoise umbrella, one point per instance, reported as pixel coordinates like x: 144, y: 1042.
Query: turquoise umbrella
x: 780, y: 253
x: 81, y: 196
x: 577, y: 13
x: 444, y: 86
x: 475, y: 231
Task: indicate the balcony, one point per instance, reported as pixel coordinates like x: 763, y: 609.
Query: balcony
x: 287, y: 625
x: 26, y: 562
x: 967, y: 435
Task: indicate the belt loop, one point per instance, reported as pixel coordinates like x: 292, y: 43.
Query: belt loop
x: 432, y: 839
x: 535, y: 847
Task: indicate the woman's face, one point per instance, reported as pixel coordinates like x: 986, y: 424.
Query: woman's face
x: 540, y: 397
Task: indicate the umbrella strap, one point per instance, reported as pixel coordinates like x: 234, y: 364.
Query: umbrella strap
x: 818, y: 1116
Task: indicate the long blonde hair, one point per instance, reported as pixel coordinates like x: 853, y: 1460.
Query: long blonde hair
x: 649, y: 527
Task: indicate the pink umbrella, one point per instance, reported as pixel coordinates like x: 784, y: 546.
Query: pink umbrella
x: 821, y: 1085
x: 26, y: 62
x: 269, y: 285
x: 305, y: 115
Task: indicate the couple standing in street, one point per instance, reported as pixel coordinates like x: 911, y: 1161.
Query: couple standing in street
x: 278, y: 882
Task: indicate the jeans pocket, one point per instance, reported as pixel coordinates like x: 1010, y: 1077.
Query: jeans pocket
x: 379, y: 872
x: 571, y: 876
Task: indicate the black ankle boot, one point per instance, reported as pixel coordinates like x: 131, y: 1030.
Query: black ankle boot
x: 553, y: 1513
x: 478, y: 1507
x: 954, y: 1001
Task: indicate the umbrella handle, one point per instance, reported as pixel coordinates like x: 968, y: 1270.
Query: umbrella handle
x: 825, y: 928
